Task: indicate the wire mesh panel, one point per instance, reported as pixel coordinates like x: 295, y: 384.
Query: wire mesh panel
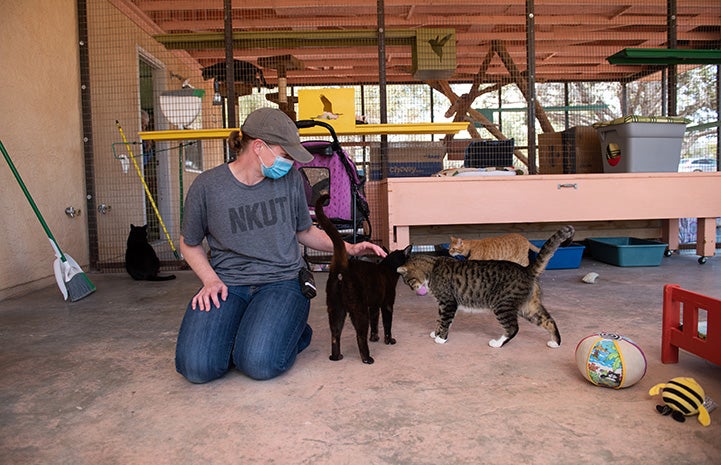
x: 159, y: 66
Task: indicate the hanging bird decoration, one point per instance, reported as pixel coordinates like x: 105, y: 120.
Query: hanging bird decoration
x: 437, y: 45
x: 682, y: 397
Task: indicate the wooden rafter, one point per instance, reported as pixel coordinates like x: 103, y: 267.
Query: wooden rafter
x: 461, y: 105
x: 573, y: 37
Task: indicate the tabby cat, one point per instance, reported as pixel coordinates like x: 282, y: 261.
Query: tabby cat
x: 506, y: 288
x: 141, y: 261
x: 359, y: 288
x: 512, y: 247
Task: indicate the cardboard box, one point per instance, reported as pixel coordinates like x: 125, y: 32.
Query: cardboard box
x: 333, y: 106
x: 575, y: 150
x: 408, y: 159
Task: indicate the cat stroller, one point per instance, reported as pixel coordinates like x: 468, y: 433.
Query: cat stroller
x: 333, y: 172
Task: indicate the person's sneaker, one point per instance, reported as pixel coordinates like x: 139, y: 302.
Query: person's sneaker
x: 305, y: 338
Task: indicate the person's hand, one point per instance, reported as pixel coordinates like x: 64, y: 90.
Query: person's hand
x: 209, y: 292
x: 366, y: 248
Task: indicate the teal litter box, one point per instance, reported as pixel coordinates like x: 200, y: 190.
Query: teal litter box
x: 627, y: 251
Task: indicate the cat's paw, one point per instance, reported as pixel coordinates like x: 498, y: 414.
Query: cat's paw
x: 390, y: 340
x: 368, y: 360
x: 496, y: 343
x: 553, y: 344
x: 438, y: 339
x: 374, y: 338
x: 336, y: 358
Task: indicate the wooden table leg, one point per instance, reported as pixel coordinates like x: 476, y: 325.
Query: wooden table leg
x: 706, y: 237
x: 402, y: 237
x: 669, y: 233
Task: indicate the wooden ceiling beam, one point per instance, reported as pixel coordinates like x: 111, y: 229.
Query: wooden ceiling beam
x: 573, y: 37
x: 328, y: 39
x: 467, y: 20
x: 194, y: 5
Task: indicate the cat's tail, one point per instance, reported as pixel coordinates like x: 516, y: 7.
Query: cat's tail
x: 339, y: 262
x: 548, y: 249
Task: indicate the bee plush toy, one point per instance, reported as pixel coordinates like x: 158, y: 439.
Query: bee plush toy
x: 682, y: 397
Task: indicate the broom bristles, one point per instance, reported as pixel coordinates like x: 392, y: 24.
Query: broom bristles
x: 79, y: 286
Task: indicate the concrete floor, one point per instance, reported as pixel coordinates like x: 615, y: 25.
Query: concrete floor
x: 93, y: 382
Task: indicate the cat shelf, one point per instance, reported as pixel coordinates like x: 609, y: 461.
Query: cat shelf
x: 358, y: 130
x: 281, y: 63
x: 241, y: 89
x: 665, y: 56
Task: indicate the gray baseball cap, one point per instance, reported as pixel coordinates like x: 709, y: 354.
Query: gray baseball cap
x: 276, y: 128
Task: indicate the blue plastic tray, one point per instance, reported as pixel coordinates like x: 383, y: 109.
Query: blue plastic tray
x: 563, y: 258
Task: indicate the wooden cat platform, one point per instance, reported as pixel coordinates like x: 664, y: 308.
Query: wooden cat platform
x: 408, y: 205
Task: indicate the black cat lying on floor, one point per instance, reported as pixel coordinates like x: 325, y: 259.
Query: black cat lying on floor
x: 362, y: 289
x: 141, y: 261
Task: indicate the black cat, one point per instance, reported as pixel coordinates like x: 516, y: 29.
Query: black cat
x: 243, y: 72
x: 362, y: 289
x: 141, y: 261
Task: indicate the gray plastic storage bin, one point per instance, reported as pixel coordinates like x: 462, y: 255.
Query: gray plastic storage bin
x: 634, y: 144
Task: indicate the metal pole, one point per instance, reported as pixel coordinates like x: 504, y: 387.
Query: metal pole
x: 566, y: 103
x: 718, y: 111
x: 382, y: 84
x: 531, y: 78
x: 88, y: 152
x: 231, y: 118
x: 432, y: 103
x: 672, y: 69
x: 665, y: 91
x: 500, y: 108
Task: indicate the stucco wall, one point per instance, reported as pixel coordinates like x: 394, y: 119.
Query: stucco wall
x: 40, y: 126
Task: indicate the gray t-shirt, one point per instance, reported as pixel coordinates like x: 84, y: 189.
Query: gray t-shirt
x: 251, y: 230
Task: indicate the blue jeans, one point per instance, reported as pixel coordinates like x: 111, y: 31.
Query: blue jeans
x: 260, y: 329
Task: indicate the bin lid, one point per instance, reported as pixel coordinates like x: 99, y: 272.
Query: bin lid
x: 643, y: 119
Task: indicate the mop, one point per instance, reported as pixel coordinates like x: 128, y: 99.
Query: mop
x: 71, y: 280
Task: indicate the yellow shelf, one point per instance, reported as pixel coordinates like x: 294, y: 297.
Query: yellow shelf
x: 359, y: 130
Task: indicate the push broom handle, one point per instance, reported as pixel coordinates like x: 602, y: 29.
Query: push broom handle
x: 32, y: 202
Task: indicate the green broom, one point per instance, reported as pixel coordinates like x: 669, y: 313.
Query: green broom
x: 71, y: 280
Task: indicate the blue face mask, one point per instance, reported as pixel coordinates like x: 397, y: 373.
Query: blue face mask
x: 278, y: 169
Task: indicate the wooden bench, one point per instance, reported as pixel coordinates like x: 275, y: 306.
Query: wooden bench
x: 406, y: 203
